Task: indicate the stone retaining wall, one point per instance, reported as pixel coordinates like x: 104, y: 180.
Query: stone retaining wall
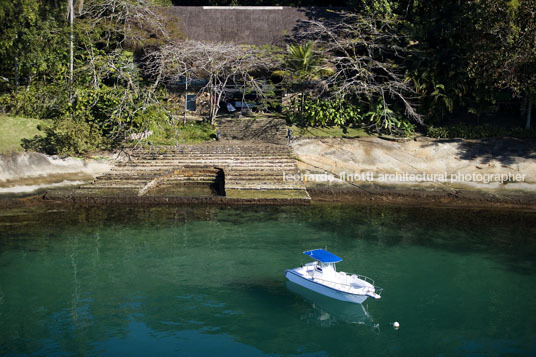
x: 271, y: 130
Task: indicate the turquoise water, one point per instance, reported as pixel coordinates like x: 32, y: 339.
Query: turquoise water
x: 210, y: 281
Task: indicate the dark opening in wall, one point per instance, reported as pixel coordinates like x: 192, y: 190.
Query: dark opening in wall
x: 218, y: 187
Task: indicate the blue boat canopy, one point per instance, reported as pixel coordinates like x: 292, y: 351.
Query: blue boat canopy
x: 323, y: 255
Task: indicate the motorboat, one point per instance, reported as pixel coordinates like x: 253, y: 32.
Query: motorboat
x: 327, y: 311
x: 321, y: 276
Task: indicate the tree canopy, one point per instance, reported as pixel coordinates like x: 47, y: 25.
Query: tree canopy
x: 396, y: 61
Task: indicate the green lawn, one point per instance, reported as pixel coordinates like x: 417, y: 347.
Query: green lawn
x: 327, y: 132
x: 13, y: 129
x: 191, y: 133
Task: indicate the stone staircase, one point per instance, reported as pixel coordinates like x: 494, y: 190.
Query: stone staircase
x: 230, y: 172
x: 270, y: 130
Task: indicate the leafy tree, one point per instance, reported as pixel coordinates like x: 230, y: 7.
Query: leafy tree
x: 505, y: 56
x: 32, y: 42
x: 442, y: 33
x: 110, y: 98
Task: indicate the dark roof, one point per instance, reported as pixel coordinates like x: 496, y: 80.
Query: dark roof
x: 248, y: 25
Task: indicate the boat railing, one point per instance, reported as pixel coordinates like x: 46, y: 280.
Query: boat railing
x: 365, y: 278
x: 310, y: 270
x: 347, y: 285
x: 331, y: 282
x: 377, y: 289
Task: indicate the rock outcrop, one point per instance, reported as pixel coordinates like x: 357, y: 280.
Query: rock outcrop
x: 489, y: 170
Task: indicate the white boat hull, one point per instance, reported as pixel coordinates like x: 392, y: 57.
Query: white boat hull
x: 310, y: 284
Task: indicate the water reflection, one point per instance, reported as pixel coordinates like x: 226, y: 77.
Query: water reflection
x: 327, y: 311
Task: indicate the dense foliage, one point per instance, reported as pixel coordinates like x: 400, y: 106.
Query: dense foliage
x: 391, y: 66
x: 452, y: 62
x: 108, y: 97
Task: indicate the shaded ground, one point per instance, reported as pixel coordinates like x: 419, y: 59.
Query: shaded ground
x: 505, y: 150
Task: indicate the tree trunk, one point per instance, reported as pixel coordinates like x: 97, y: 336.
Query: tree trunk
x: 16, y: 73
x: 71, y: 52
x: 215, y: 107
x: 302, y: 104
x: 185, y: 99
x: 211, y: 100
x: 211, y: 112
x: 529, y: 112
x: 30, y: 77
x: 215, y: 101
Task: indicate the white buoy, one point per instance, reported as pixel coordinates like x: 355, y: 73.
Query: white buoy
x: 396, y: 325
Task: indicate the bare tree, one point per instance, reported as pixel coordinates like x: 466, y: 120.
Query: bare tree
x: 220, y: 64
x: 135, y: 20
x: 122, y: 21
x: 366, y: 52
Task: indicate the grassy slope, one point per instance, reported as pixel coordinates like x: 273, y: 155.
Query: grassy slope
x: 190, y: 133
x: 13, y: 129
x: 327, y: 132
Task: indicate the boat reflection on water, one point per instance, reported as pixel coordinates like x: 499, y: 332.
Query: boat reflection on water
x: 328, y: 311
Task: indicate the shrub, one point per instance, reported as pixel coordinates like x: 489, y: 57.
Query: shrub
x: 465, y: 131
x: 329, y: 113
x: 437, y: 132
x: 381, y: 119
x: 66, y: 137
x: 323, y: 112
x: 40, y: 101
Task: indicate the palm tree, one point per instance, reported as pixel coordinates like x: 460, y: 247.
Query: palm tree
x: 304, y: 60
x: 305, y: 65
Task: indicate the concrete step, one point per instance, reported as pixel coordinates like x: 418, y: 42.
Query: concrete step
x: 213, y: 155
x: 262, y: 187
x: 212, y: 149
x: 165, y: 167
x: 252, y: 156
x: 130, y: 181
x: 275, y: 180
x: 206, y: 164
x: 96, y: 186
x: 195, y: 169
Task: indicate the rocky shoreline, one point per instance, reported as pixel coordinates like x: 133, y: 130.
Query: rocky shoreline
x: 333, y: 170
x: 499, y: 172
x: 415, y: 196
x: 319, y: 195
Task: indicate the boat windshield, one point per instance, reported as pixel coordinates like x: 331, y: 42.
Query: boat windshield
x: 328, y: 265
